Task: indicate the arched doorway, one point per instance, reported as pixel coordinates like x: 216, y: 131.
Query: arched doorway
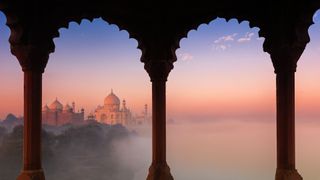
x: 222, y: 104
x: 308, y: 104
x: 89, y: 60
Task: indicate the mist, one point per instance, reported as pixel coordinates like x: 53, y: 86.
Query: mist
x: 227, y: 149
x: 237, y: 149
x: 91, y: 151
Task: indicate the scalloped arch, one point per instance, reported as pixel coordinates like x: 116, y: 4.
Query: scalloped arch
x: 134, y: 18
x: 65, y: 23
x: 313, y: 13
x: 5, y: 17
x: 207, y: 20
x: 196, y: 26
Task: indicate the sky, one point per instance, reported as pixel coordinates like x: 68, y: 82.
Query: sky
x: 221, y: 71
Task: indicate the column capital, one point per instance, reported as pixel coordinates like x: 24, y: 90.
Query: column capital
x: 286, y: 39
x: 158, y: 56
x: 31, y: 57
x: 285, y: 52
x: 285, y: 60
x: 31, y: 37
x: 158, y: 71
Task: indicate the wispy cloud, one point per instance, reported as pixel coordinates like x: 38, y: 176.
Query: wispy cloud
x: 247, y: 37
x: 185, y: 56
x: 226, y: 38
x: 221, y: 47
x: 223, y: 42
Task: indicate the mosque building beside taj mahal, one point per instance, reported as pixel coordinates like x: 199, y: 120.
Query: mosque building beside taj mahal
x: 56, y: 114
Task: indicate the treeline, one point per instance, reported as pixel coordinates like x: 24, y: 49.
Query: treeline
x: 82, y: 152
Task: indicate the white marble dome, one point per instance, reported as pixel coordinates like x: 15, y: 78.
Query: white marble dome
x: 56, y: 105
x: 112, y: 99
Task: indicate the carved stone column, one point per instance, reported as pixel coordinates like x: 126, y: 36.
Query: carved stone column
x: 158, y: 71
x: 285, y: 59
x: 33, y: 61
x: 31, y: 41
x: 286, y: 37
x: 286, y: 169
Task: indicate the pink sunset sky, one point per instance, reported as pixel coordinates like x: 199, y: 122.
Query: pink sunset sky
x: 221, y: 71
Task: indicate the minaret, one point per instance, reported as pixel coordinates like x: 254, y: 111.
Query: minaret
x: 82, y: 113
x: 146, y: 112
x: 124, y: 105
x: 73, y: 106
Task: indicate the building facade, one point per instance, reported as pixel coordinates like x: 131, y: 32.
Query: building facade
x: 56, y: 114
x: 112, y: 113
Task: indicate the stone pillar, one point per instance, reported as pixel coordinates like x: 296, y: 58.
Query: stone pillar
x: 158, y: 71
x: 286, y: 169
x: 286, y: 37
x: 33, y: 61
x: 285, y: 67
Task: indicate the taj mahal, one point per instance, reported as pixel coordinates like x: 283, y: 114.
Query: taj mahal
x: 111, y: 112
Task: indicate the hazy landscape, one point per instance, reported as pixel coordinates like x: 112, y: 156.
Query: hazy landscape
x: 225, y: 150
x: 88, y: 151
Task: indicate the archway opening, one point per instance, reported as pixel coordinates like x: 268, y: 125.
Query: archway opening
x: 90, y: 60
x: 98, y: 67
x: 221, y: 102
x: 308, y: 104
x: 11, y: 75
x: 11, y: 105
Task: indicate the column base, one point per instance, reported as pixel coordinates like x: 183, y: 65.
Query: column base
x: 283, y: 174
x: 159, y: 172
x: 31, y: 175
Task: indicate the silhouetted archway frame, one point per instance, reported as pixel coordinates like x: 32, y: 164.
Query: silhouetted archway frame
x: 158, y: 27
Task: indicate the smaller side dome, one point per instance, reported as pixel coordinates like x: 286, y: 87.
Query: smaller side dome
x: 45, y: 108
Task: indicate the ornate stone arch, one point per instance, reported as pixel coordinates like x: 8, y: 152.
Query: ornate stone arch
x: 158, y: 26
